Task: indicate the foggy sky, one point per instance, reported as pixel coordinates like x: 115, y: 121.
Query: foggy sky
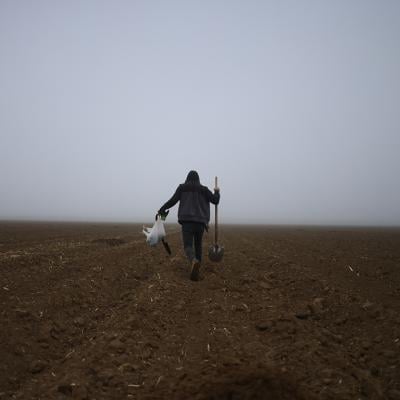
x: 295, y: 105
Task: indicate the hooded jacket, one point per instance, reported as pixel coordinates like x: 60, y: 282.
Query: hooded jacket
x: 194, y: 200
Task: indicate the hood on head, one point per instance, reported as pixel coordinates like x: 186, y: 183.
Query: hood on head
x: 193, y: 177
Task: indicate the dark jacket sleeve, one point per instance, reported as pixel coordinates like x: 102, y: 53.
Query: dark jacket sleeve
x: 172, y: 201
x: 213, y: 197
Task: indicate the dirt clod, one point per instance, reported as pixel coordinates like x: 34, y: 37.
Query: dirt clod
x: 38, y: 366
x: 264, y: 326
x: 65, y: 388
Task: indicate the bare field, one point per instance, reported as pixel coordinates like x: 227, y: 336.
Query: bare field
x: 88, y: 311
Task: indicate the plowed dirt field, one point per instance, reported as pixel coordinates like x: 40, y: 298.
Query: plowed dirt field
x: 89, y: 311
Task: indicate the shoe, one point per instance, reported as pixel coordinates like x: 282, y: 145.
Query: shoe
x: 194, y: 273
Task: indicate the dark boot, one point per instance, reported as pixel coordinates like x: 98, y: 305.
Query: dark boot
x: 195, y: 271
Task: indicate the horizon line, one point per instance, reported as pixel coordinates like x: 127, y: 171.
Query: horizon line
x: 272, y: 224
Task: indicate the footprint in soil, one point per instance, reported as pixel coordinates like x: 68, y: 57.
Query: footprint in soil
x: 255, y: 387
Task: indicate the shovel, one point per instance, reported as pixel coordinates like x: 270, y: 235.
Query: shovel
x: 216, y: 252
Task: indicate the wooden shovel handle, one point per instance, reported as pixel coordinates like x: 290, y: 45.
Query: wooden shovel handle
x: 216, y: 215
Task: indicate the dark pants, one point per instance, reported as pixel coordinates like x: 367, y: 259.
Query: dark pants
x: 192, y: 232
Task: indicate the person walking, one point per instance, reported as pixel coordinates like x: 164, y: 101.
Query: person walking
x: 193, y: 215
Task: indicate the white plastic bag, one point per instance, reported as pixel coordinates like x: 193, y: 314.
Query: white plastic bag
x: 156, y: 233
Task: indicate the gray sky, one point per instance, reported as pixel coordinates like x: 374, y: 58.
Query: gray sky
x: 106, y: 105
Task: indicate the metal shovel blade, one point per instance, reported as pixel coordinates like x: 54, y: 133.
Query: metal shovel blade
x: 215, y: 253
